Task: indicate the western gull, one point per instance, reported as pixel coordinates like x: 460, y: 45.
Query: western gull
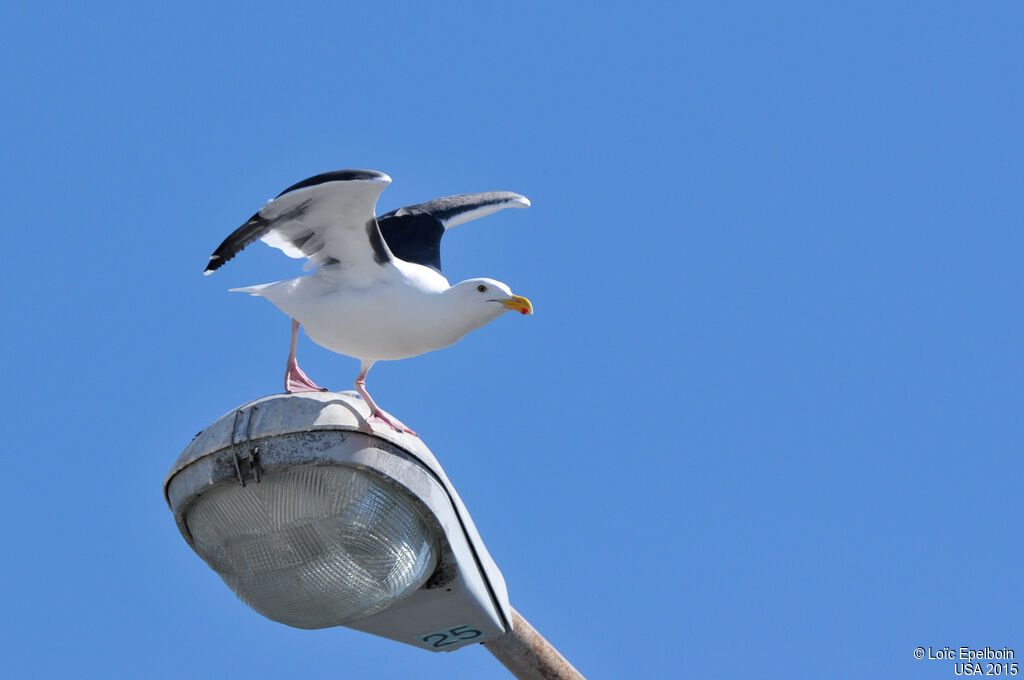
x: 378, y: 292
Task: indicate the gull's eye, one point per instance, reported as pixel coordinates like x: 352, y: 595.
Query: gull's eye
x: 482, y: 288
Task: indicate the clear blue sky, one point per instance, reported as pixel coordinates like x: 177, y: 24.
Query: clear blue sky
x: 766, y: 421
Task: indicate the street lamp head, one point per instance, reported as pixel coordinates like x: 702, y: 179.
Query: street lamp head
x: 314, y: 523
x: 314, y: 546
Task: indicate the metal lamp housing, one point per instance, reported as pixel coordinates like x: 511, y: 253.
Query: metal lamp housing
x: 313, y: 522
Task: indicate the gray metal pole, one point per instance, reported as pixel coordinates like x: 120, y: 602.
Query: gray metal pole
x: 529, y: 656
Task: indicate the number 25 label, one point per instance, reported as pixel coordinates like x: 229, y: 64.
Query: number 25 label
x: 451, y: 636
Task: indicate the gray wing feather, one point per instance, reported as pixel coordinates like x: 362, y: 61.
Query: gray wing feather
x: 328, y: 219
x: 413, y: 233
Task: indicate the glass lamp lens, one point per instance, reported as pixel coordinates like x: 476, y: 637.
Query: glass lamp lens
x: 314, y: 546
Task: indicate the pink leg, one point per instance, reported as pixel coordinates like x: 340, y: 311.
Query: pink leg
x: 376, y: 414
x: 294, y: 378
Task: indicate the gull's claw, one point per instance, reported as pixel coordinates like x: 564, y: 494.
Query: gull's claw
x: 381, y: 417
x: 295, y: 380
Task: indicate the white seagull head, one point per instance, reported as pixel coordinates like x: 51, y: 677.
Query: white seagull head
x: 486, y: 299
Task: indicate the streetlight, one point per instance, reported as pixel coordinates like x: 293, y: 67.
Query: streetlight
x: 314, y: 523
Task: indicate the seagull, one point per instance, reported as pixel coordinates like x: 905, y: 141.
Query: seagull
x: 378, y: 292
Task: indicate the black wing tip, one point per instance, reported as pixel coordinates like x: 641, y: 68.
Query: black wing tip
x: 254, y: 228
x: 215, y: 263
x: 338, y: 176
x: 218, y: 261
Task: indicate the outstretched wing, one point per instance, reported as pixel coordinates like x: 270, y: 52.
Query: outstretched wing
x: 328, y: 219
x: 413, y: 233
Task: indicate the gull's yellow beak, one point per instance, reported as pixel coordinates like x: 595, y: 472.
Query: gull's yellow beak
x: 518, y: 304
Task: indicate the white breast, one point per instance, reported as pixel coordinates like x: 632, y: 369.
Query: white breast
x: 402, y: 314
